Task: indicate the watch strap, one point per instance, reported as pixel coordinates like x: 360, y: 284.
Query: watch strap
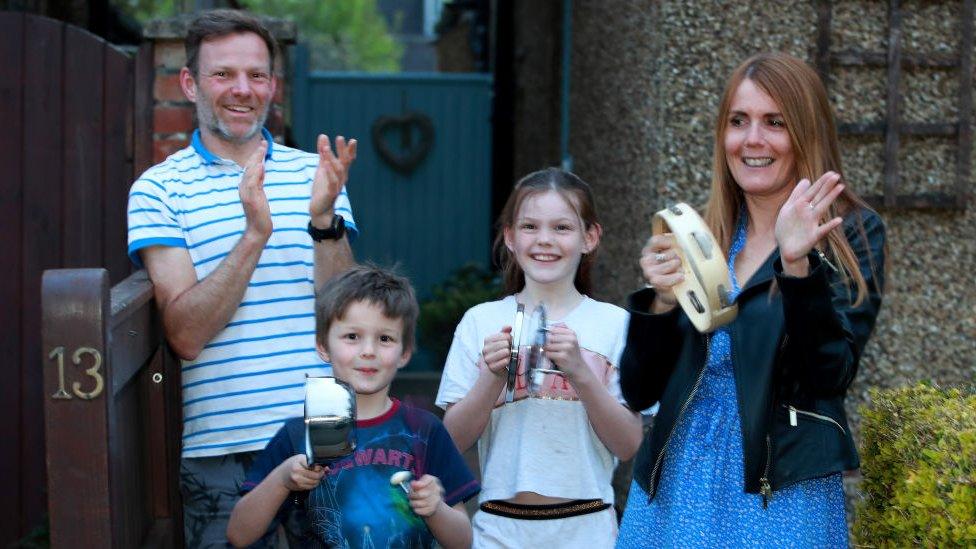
x: 335, y: 231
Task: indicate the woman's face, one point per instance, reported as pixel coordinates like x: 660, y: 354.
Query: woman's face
x: 757, y: 143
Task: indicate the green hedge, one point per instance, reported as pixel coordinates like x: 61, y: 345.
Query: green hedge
x: 919, y: 469
x: 439, y: 316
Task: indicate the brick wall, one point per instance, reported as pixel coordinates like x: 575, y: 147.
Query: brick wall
x: 173, y: 114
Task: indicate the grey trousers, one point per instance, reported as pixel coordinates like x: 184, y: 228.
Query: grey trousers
x: 210, y: 487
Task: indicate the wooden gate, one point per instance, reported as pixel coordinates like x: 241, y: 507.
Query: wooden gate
x: 111, y: 413
x: 76, y: 129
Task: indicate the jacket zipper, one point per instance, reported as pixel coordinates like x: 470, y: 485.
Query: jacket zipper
x: 684, y: 406
x: 793, y: 416
x: 823, y: 258
x: 764, y: 487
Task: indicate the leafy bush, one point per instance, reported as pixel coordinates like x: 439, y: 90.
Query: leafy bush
x: 919, y: 467
x: 439, y: 315
x: 346, y: 35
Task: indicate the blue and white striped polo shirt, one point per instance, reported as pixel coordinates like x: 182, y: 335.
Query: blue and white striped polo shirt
x: 251, y: 377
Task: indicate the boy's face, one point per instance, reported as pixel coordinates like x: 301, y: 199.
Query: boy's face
x: 365, y: 348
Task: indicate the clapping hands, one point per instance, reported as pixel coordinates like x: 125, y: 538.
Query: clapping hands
x: 330, y: 176
x: 801, y: 221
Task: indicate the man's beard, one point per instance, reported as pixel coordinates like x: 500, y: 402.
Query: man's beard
x: 206, y: 118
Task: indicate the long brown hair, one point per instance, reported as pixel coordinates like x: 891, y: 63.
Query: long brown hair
x: 802, y: 99
x: 576, y: 192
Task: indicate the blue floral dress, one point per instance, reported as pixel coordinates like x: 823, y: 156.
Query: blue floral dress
x: 700, y: 500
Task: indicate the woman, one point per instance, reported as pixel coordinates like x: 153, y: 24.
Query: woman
x: 751, y: 436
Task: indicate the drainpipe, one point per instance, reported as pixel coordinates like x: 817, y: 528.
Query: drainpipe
x: 567, y: 45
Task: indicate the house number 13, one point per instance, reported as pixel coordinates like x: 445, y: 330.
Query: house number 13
x: 93, y: 372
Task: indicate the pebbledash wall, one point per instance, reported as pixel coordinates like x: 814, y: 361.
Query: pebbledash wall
x: 173, y: 115
x: 646, y: 81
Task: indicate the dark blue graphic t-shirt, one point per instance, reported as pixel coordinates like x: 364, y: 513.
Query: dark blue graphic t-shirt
x: 355, y: 505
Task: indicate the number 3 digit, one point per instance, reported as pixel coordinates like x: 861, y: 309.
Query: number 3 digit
x: 93, y: 372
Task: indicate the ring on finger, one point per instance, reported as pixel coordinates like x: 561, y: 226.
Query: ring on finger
x: 660, y: 258
x: 813, y: 206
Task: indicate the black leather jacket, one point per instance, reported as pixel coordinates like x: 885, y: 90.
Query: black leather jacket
x: 795, y: 351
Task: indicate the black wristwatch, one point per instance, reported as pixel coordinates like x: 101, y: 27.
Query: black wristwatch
x: 335, y: 231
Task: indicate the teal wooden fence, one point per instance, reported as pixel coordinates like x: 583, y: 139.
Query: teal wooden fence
x: 429, y: 218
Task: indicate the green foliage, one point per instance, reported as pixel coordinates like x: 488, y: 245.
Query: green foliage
x: 919, y: 467
x: 146, y: 10
x: 38, y: 538
x: 341, y: 35
x: 440, y: 315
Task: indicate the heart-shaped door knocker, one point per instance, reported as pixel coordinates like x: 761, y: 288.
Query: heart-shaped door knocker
x: 412, y: 152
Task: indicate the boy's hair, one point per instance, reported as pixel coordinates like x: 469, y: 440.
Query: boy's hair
x: 212, y: 24
x: 372, y: 285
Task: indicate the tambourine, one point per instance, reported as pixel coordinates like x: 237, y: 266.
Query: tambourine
x: 330, y: 420
x: 535, y: 358
x: 514, y: 352
x: 704, y: 294
x: 537, y: 365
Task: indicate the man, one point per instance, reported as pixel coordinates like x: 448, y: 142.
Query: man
x: 223, y: 228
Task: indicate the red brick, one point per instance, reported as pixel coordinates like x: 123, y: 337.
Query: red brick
x: 166, y: 87
x: 165, y: 147
x: 172, y: 119
x: 169, y: 55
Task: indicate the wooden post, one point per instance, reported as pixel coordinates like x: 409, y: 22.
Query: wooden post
x: 112, y: 413
x: 75, y: 312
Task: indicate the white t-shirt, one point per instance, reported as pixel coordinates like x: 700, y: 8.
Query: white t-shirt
x: 540, y: 443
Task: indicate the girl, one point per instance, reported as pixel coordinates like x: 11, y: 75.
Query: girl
x: 751, y: 437
x: 547, y: 457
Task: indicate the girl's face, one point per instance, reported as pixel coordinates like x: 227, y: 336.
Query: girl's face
x: 757, y: 143
x: 548, y: 238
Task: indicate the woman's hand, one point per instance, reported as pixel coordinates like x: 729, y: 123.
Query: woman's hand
x: 497, y: 351
x: 800, y: 225
x: 661, y: 268
x: 562, y: 349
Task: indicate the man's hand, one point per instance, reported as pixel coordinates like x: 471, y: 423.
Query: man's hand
x: 257, y: 212
x: 295, y: 475
x: 330, y: 176
x: 426, y: 495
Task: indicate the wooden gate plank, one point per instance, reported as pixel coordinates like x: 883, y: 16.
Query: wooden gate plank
x: 117, y: 160
x: 83, y: 120
x: 11, y: 143
x: 131, y: 508
x: 142, y: 155
x: 42, y: 235
x: 75, y: 309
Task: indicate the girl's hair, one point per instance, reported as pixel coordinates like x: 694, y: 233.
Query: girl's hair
x: 802, y: 99
x: 579, y: 196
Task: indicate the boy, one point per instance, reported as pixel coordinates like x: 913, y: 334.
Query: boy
x: 365, y: 325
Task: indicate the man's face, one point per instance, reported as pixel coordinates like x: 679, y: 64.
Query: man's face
x: 233, y: 88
